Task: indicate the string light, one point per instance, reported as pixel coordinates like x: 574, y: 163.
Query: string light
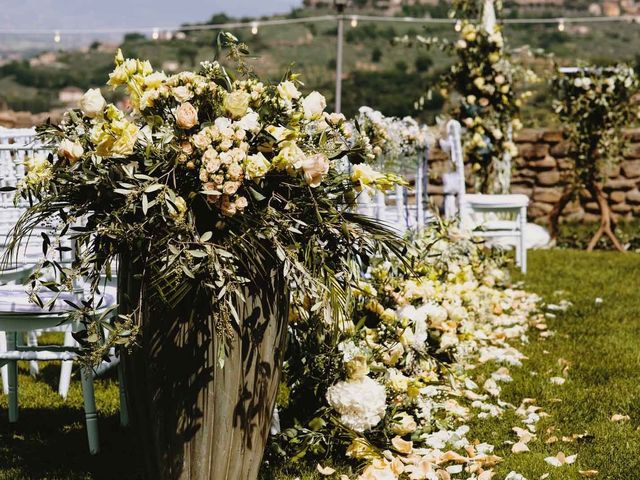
x: 561, y: 22
x: 254, y: 28
x: 56, y: 37
x: 156, y: 34
x: 354, y: 21
x: 561, y: 25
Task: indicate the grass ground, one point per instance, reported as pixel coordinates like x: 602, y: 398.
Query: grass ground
x: 599, y: 342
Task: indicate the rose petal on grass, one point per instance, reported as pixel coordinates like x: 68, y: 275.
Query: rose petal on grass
x: 588, y: 473
x: 326, y: 471
x: 519, y: 447
x: 618, y: 417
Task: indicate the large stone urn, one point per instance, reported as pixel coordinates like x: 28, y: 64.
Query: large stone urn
x: 202, y: 402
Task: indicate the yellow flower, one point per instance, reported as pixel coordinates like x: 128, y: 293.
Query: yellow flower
x: 154, y: 80
x: 290, y: 156
x: 360, y: 448
x: 288, y: 91
x: 127, y: 136
x: 357, y: 367
x: 365, y: 175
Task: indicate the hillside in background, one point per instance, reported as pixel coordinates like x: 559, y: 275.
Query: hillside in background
x: 377, y: 71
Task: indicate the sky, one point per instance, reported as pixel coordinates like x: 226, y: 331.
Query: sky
x: 61, y: 14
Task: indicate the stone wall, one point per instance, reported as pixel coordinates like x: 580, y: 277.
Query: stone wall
x: 540, y: 172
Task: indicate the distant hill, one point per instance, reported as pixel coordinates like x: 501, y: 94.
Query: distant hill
x: 376, y: 71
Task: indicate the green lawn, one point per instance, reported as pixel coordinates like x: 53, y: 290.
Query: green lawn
x: 600, y: 343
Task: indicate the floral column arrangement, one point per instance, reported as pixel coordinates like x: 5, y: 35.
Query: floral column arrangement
x: 481, y: 85
x: 594, y: 105
x: 228, y: 201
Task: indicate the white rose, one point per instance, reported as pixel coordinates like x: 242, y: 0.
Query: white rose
x: 250, y: 122
x: 182, y: 94
x: 313, y: 105
x: 288, y: 91
x: 92, y: 103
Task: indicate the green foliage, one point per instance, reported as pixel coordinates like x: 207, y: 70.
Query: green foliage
x: 379, y: 89
x: 134, y: 37
x: 376, y: 55
x: 423, y: 63
x: 595, y: 104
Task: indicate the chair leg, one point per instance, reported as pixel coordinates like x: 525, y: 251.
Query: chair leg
x: 66, y: 368
x: 12, y: 339
x: 523, y: 246
x: 124, y: 409
x: 90, y: 413
x: 4, y: 371
x: 32, y: 341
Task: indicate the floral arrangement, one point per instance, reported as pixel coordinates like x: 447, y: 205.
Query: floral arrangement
x: 594, y: 104
x: 393, y: 139
x: 213, y: 182
x: 482, y: 82
x: 399, y: 385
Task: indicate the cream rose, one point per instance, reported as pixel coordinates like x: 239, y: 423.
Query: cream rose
x: 237, y: 103
x: 92, y: 103
x: 72, y: 151
x: 229, y: 188
x: 186, y: 116
x: 315, y: 167
x: 313, y: 105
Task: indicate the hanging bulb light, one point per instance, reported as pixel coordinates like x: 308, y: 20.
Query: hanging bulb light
x: 561, y: 26
x: 354, y: 21
x: 56, y: 37
x: 156, y: 34
x: 254, y: 28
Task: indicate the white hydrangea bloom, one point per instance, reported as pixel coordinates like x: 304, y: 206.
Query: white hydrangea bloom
x: 360, y: 403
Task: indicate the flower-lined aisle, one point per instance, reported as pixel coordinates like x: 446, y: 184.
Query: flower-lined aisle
x: 401, y: 384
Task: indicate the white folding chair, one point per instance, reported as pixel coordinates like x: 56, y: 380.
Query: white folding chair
x: 482, y: 213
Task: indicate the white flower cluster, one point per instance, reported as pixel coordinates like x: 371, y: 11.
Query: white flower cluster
x: 391, y: 137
